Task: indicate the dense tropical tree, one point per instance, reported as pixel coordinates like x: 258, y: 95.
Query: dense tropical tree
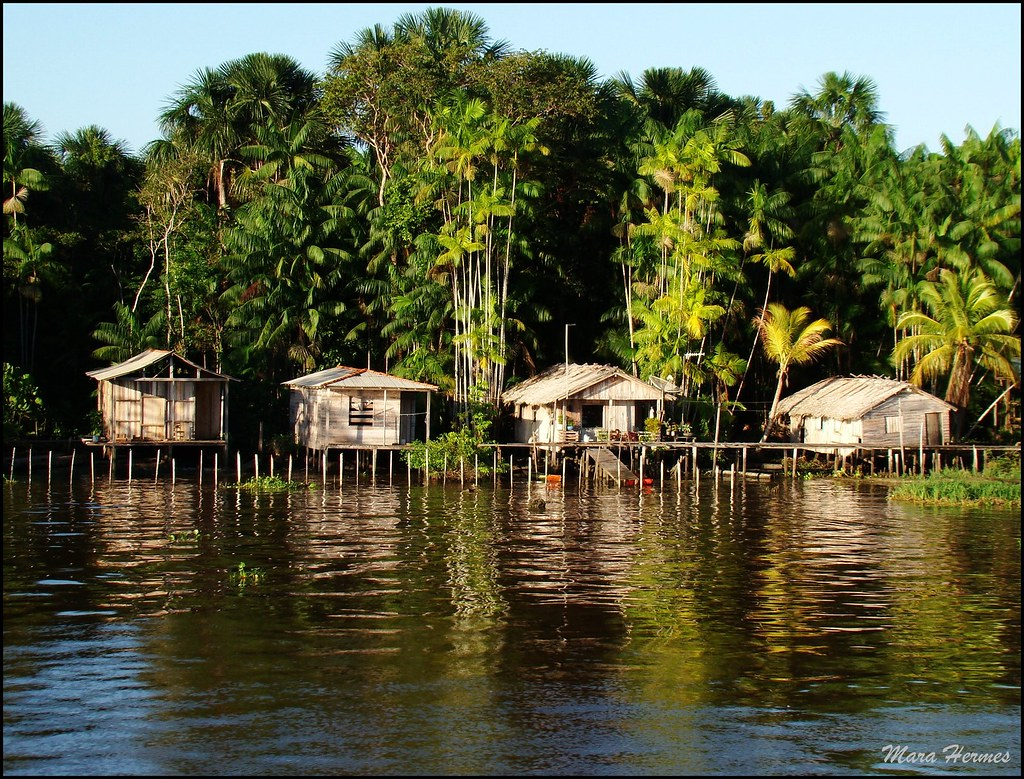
x: 790, y: 338
x: 22, y: 151
x: 967, y: 325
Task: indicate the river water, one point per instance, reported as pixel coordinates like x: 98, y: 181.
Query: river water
x: 712, y: 627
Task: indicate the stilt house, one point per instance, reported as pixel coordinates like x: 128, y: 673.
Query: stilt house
x: 342, y: 406
x: 158, y: 396
x: 867, y: 411
x: 582, y: 403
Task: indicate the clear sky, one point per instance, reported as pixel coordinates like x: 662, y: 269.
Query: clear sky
x: 938, y: 67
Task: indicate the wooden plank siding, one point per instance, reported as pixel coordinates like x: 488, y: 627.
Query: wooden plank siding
x: 325, y: 418
x: 868, y: 412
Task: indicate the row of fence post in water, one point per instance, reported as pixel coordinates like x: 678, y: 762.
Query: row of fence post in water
x: 896, y: 462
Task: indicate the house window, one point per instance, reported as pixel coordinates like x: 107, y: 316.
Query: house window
x: 894, y: 424
x: 360, y: 412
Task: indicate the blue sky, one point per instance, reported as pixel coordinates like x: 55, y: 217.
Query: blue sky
x: 937, y: 66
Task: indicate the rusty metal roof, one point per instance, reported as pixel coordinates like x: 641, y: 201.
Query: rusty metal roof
x: 357, y: 378
x: 560, y: 381
x: 848, y: 397
x: 144, y: 360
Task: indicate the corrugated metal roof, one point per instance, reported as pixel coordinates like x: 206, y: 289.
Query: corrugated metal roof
x: 357, y: 378
x: 144, y: 360
x: 559, y: 381
x: 847, y: 397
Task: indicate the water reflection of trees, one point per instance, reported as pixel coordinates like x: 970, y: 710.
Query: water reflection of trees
x: 820, y: 594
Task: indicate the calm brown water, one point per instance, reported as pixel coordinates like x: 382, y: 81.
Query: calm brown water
x: 783, y: 628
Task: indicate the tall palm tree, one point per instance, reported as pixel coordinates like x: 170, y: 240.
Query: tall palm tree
x: 968, y: 324
x: 790, y: 338
x: 22, y: 141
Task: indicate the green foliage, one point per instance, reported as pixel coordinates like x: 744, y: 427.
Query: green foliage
x: 184, y: 536
x: 270, y: 484
x: 951, y: 486
x: 457, y: 449
x: 23, y: 408
x: 244, y: 577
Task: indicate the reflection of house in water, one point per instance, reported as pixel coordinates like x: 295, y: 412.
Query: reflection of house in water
x: 866, y: 411
x: 159, y: 396
x: 581, y: 402
x: 342, y: 406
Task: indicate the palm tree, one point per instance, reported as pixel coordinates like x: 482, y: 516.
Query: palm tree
x: 22, y: 137
x: 126, y: 336
x: 968, y: 325
x: 841, y: 101
x: 28, y: 264
x: 789, y: 338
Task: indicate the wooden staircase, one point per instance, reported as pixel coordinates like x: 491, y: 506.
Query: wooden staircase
x: 612, y: 467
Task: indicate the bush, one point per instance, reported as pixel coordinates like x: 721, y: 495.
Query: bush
x: 452, y: 451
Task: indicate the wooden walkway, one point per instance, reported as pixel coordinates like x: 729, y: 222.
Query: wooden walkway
x: 611, y: 465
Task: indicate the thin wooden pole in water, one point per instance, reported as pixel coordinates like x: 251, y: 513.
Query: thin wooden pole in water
x: 341, y: 466
x: 72, y: 477
x: 289, y: 468
x: 408, y: 472
x: 174, y: 472
x: 200, y: 467
x: 238, y: 467
x: 323, y: 469
x: 271, y: 466
x: 426, y: 465
x: 110, y: 462
x: 494, y: 467
x: 511, y: 469
x: 130, y: 459
x: 156, y: 472
x: 391, y: 467
x: 373, y: 466
x: 444, y: 471
x: 92, y: 467
x: 256, y: 466
x: 49, y: 468
x: 30, y: 465
x: 14, y: 452
x: 215, y: 457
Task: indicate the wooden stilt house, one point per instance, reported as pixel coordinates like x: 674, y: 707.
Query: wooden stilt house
x: 159, y: 396
x: 342, y: 406
x: 588, y: 402
x: 868, y: 412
